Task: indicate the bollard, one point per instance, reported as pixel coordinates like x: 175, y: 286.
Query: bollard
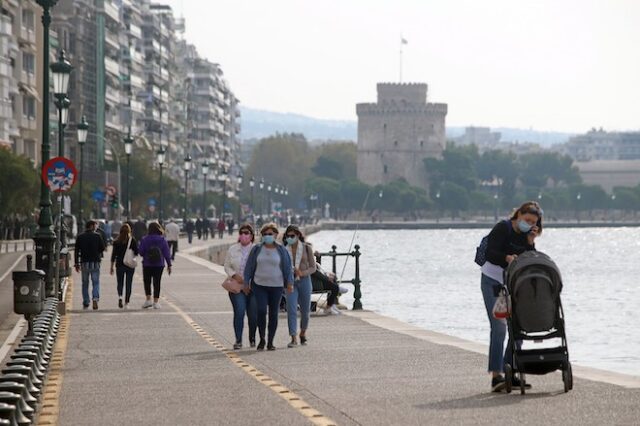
x: 23, y: 380
x: 8, y: 414
x: 20, y: 390
x: 334, y: 266
x: 33, y: 381
x: 14, y: 399
x: 357, y: 295
x: 23, y: 391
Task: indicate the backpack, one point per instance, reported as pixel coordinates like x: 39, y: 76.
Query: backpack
x: 481, y: 250
x: 154, y: 254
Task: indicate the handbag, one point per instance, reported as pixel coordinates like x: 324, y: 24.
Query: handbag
x: 232, y: 286
x: 129, y: 256
x: 502, y: 306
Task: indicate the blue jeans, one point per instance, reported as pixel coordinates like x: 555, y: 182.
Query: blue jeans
x: 124, y: 273
x: 244, y: 304
x: 267, y: 297
x: 301, y: 296
x: 91, y: 269
x: 497, y: 357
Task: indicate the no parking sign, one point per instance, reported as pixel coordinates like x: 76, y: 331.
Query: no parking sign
x: 59, y: 174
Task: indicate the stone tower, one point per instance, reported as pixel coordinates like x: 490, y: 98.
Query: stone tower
x: 397, y: 133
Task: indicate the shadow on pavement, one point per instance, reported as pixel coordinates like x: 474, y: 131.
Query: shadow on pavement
x: 485, y: 400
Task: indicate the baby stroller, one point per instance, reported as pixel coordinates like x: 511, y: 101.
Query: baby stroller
x: 534, y: 284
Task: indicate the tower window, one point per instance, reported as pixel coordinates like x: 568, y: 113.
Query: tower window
x: 395, y: 143
x: 421, y: 144
x: 385, y: 169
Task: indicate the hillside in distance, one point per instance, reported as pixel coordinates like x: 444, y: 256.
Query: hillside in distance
x: 258, y: 124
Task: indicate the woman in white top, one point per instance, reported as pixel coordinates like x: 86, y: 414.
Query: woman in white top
x: 244, y: 301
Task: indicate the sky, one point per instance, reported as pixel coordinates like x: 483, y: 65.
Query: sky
x: 562, y: 65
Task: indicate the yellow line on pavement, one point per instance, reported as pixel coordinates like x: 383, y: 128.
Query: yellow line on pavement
x: 313, y: 415
x: 50, y: 409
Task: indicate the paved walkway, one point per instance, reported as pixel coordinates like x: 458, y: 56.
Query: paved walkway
x: 174, y: 366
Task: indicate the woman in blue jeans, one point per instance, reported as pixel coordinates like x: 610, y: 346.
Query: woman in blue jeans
x: 242, y: 302
x: 268, y: 271
x: 506, y: 241
x: 304, y: 264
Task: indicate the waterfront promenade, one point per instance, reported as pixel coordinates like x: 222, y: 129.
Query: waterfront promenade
x: 175, y: 366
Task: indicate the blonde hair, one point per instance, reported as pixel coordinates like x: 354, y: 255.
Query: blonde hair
x: 269, y: 226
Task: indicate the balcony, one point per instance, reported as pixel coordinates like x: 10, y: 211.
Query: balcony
x: 111, y: 11
x: 137, y: 106
x: 112, y: 96
x: 6, y: 109
x: 112, y: 39
x: 112, y: 66
x: 27, y: 35
x: 137, y: 82
x: 135, y: 31
x: 6, y: 28
x: 28, y: 79
x: 28, y: 123
x: 5, y: 68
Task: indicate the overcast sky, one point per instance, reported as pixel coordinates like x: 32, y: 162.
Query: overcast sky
x: 564, y: 65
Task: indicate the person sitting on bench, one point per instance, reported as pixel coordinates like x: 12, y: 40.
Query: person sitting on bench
x: 323, y: 281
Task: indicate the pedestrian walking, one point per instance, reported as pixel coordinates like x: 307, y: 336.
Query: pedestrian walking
x: 244, y: 301
x: 230, y: 225
x: 190, y: 227
x: 155, y: 252
x: 124, y: 273
x: 199, y: 228
x: 172, y: 233
x: 304, y: 264
x: 87, y: 255
x: 267, y: 271
x: 506, y: 241
x: 221, y: 228
x: 206, y: 224
x: 139, y: 229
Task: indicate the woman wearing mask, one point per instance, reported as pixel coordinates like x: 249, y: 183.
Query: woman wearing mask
x: 304, y: 264
x: 244, y: 301
x: 506, y: 241
x: 154, y: 250
x: 123, y: 272
x: 267, y: 271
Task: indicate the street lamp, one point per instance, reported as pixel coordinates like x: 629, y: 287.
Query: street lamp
x: 83, y: 130
x: 222, y: 177
x: 44, y: 237
x: 240, y: 178
x: 261, y: 196
x: 269, y: 199
x: 128, y: 149
x: 187, y: 167
x: 205, y: 172
x: 160, y: 155
x: 252, y: 183
x: 495, y: 206
x: 438, y: 207
x: 613, y: 207
x: 578, y: 197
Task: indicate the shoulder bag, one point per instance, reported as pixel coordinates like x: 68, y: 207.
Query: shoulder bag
x: 129, y: 256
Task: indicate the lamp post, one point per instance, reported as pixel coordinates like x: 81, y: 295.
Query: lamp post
x: 495, y: 207
x: 240, y: 178
x: 205, y: 172
x: 252, y: 183
x: 160, y: 155
x: 187, y: 167
x: 578, y: 197
x: 128, y: 148
x: 261, y: 196
x: 83, y: 130
x: 438, y: 207
x: 45, y: 237
x: 222, y: 177
x: 613, y: 207
x: 269, y: 199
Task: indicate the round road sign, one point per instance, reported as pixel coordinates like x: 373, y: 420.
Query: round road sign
x: 59, y: 174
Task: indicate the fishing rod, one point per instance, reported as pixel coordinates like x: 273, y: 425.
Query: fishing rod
x: 353, y: 238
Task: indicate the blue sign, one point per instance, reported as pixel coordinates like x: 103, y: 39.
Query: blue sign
x: 152, y: 202
x: 97, y: 195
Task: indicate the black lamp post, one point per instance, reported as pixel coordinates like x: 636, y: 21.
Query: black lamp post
x: 128, y: 149
x: 252, y: 183
x: 205, y: 172
x: 261, y: 196
x: 268, y: 199
x: 83, y: 130
x: 239, y: 177
x: 187, y: 167
x: 45, y: 237
x: 160, y: 155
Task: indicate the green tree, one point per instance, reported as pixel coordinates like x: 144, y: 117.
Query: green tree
x: 500, y: 168
x: 458, y: 166
x: 19, y: 184
x: 453, y: 197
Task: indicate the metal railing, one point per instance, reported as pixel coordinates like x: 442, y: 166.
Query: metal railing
x: 333, y: 254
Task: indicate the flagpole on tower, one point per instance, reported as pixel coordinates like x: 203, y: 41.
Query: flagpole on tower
x: 403, y: 41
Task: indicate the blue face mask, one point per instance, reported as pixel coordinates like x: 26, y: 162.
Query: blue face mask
x: 524, y: 226
x: 268, y: 239
x: 292, y: 240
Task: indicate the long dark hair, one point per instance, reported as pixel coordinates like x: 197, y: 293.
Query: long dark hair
x: 530, y: 207
x: 125, y: 234
x: 296, y: 230
x: 155, y: 229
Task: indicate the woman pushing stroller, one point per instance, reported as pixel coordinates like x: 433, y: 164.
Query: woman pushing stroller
x: 508, y: 239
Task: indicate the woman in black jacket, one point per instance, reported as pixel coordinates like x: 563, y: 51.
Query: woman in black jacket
x: 123, y: 271
x: 506, y: 241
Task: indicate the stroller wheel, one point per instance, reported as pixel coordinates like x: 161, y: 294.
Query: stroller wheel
x: 567, y: 377
x: 508, y: 377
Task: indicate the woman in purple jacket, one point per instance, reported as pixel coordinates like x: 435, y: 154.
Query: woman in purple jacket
x: 154, y: 250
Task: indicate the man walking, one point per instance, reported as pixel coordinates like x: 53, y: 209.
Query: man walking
x: 190, y: 228
x: 88, y: 253
x: 172, y: 233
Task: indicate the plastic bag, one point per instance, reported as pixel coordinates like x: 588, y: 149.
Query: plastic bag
x: 502, y: 306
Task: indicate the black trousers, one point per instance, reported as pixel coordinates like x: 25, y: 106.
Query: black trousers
x: 174, y: 248
x: 124, y: 273
x: 152, y: 274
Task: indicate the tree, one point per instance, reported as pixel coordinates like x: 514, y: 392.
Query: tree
x: 458, y: 166
x: 453, y: 197
x: 19, y: 184
x: 499, y: 168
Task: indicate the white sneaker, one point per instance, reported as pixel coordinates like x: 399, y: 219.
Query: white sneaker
x: 334, y: 310
x: 126, y: 306
x: 147, y: 304
x: 327, y: 311
x: 156, y: 306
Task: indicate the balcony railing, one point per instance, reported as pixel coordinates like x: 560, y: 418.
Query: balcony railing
x: 6, y: 109
x: 111, y: 11
x: 6, y: 28
x: 27, y: 35
x: 5, y: 68
x: 112, y: 66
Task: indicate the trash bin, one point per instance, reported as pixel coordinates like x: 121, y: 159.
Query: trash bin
x: 65, y: 270
x: 28, y: 291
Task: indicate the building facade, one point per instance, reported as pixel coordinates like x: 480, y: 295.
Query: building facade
x: 397, y: 133
x: 603, y: 145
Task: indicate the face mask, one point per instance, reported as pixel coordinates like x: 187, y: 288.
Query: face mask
x: 291, y: 240
x: 268, y: 239
x: 524, y: 226
x: 245, y: 239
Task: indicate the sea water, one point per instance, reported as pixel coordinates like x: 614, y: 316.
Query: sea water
x: 428, y: 278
